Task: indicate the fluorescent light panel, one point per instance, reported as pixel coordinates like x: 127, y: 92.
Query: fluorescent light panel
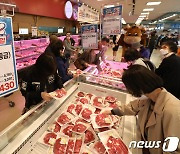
x: 123, y: 21
x: 142, y: 16
x: 145, y: 13
x: 153, y: 3
x: 148, y: 9
x: 107, y: 6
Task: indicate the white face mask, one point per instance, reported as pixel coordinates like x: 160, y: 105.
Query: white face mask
x: 164, y: 52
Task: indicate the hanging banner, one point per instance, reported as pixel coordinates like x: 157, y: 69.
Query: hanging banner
x: 8, y: 72
x: 87, y: 14
x: 112, y: 20
x: 89, y: 36
x: 34, y: 31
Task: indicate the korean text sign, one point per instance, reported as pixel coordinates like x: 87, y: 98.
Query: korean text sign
x: 112, y: 20
x: 8, y: 71
x: 89, y: 36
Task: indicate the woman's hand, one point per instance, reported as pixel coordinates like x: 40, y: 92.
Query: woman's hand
x: 45, y: 96
x: 106, y: 111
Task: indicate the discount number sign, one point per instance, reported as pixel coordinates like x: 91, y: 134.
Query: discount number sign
x: 89, y: 36
x: 112, y: 20
x: 8, y: 72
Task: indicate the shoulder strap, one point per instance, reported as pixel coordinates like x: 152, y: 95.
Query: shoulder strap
x: 149, y: 64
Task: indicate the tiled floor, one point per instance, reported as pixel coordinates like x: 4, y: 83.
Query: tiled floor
x: 9, y: 114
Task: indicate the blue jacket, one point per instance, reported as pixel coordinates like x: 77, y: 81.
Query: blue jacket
x: 63, y: 65
x: 145, y: 52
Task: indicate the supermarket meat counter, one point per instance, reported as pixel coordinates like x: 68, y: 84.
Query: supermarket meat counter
x: 73, y: 122
x: 109, y: 76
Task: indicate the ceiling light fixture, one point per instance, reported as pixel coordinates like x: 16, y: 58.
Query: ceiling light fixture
x: 168, y: 17
x: 142, y: 16
x: 153, y: 3
x: 123, y: 21
x: 148, y: 9
x: 145, y: 13
x: 108, y: 6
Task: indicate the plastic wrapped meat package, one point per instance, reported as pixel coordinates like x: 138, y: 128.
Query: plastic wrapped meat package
x: 78, y: 144
x: 86, y: 112
x: 55, y: 127
x: 98, y: 102
x: 101, y: 120
x: 78, y: 108
x: 60, y: 145
x: 90, y: 136
x: 59, y: 93
x: 64, y: 118
x: 70, y: 108
x: 80, y: 127
x: 70, y: 146
x: 48, y: 138
x: 112, y: 142
x: 67, y: 130
x: 98, y: 147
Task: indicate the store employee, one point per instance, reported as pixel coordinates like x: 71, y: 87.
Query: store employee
x: 39, y: 80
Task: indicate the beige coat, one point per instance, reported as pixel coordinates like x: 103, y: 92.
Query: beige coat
x: 164, y: 121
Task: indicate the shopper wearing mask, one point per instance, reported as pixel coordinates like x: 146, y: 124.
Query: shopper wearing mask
x: 132, y: 57
x: 157, y: 113
x: 62, y: 61
x: 88, y: 58
x: 39, y: 80
x: 169, y: 69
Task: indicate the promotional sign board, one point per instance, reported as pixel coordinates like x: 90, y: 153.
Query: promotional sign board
x: 87, y: 14
x: 89, y: 36
x: 8, y: 72
x: 112, y: 20
x: 34, y: 31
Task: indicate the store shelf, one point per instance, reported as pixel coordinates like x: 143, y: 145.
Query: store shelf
x: 28, y: 56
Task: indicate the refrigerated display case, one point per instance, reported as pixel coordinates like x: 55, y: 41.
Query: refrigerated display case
x: 109, y: 76
x: 27, y: 51
x: 23, y: 135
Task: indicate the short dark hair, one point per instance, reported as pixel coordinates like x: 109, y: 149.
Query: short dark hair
x: 131, y: 54
x: 56, y: 47
x: 105, y: 39
x: 46, y: 65
x: 172, y: 46
x: 139, y: 80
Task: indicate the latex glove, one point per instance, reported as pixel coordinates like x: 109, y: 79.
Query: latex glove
x: 45, y: 96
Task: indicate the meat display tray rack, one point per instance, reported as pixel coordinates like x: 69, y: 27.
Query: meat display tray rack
x: 93, y: 75
x: 21, y: 136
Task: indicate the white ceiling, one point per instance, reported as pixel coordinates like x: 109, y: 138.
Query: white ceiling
x: 165, y: 7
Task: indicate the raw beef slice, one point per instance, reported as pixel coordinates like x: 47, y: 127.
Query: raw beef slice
x: 70, y: 146
x: 63, y: 119
x: 99, y: 147
x: 58, y: 147
x: 77, y: 146
x: 81, y: 94
x: 86, y: 113
x: 103, y: 120
x: 89, y: 136
x: 80, y: 128
x: 115, y: 145
x: 78, y: 108
x: 48, y: 137
x: 68, y: 130
x: 70, y: 108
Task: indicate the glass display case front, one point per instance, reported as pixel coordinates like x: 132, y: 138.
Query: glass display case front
x: 26, y: 134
